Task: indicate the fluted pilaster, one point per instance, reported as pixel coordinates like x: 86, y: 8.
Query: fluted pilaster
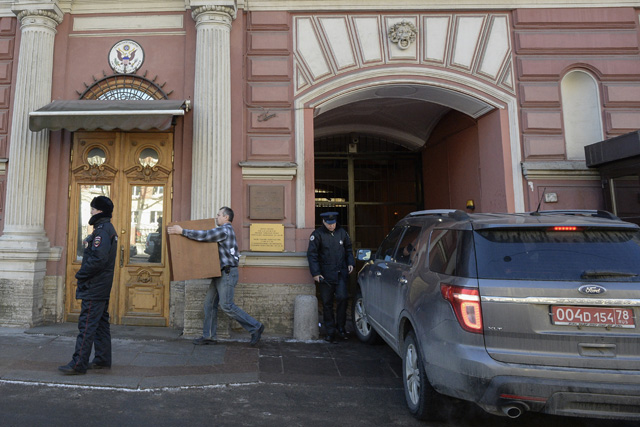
x: 211, y: 179
x: 26, y: 177
x: 24, y: 247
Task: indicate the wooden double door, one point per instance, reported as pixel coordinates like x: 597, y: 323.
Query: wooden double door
x: 135, y: 170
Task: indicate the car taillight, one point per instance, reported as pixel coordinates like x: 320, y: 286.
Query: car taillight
x: 566, y: 228
x: 466, y: 305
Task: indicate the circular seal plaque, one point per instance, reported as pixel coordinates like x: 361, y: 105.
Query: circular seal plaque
x: 126, y: 57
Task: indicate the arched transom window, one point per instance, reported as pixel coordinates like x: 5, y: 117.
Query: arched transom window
x: 124, y: 87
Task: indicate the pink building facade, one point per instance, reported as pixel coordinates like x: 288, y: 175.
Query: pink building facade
x: 285, y: 110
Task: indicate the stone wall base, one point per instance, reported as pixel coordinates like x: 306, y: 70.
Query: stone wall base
x: 53, y: 299
x: 21, y: 302
x: 271, y: 304
x: 26, y: 304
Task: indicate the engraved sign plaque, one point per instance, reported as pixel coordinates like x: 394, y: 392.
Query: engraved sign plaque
x: 266, y: 201
x: 266, y: 237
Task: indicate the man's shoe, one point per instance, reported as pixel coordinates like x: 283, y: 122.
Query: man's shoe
x: 255, y: 337
x: 203, y: 341
x: 342, y: 334
x: 98, y: 365
x: 68, y: 370
x: 331, y: 338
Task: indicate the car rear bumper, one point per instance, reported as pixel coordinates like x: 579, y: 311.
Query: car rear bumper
x: 468, y: 372
x: 562, y: 397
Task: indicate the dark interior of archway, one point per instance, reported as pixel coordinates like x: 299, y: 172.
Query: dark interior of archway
x: 371, y: 182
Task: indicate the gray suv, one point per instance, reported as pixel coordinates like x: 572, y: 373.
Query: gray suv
x: 515, y: 312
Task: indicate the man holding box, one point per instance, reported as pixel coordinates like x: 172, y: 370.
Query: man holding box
x: 222, y: 288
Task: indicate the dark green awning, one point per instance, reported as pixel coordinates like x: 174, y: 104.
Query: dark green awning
x: 107, y: 115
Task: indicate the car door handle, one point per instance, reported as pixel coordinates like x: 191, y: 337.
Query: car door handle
x: 403, y: 281
x: 378, y: 273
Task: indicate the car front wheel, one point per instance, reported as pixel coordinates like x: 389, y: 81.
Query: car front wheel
x: 363, y: 329
x: 423, y: 401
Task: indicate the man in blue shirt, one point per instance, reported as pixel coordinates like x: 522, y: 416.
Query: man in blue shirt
x: 222, y: 288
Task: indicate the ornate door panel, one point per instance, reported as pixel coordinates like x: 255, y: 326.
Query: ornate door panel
x: 135, y: 171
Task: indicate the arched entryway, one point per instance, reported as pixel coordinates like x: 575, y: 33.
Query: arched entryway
x: 418, y: 112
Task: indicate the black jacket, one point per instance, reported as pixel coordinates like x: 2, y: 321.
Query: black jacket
x: 95, y: 276
x: 330, y: 253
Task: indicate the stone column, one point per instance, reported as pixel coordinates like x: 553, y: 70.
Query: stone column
x: 24, y: 247
x: 211, y: 176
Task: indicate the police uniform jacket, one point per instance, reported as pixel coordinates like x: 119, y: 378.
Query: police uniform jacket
x: 330, y: 253
x: 95, y: 276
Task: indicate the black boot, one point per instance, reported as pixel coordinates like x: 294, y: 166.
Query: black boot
x: 342, y: 334
x: 331, y: 338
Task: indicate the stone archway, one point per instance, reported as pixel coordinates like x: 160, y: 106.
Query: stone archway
x: 472, y: 98
x: 460, y: 61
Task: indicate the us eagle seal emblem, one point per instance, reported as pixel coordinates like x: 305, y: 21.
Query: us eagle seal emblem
x: 126, y: 57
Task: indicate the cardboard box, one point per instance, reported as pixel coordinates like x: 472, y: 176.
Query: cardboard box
x: 190, y: 259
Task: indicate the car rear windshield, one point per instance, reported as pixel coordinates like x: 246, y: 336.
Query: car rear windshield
x: 599, y: 255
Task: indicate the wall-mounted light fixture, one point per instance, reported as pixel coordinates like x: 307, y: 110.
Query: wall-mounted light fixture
x: 471, y: 205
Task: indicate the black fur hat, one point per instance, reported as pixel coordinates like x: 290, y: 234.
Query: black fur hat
x: 103, y: 204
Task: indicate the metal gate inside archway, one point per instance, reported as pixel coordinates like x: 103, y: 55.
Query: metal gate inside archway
x: 371, y: 182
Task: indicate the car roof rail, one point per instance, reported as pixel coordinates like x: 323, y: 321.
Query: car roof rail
x: 586, y: 212
x: 431, y: 212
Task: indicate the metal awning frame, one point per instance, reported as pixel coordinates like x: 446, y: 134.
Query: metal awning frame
x: 107, y: 115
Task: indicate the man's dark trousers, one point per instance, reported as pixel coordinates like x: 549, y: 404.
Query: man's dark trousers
x: 327, y: 292
x: 93, y: 327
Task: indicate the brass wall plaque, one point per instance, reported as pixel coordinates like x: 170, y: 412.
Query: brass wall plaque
x: 266, y: 201
x: 266, y: 237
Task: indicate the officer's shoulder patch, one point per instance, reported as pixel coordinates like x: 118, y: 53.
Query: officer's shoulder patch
x: 312, y: 238
x: 97, y: 241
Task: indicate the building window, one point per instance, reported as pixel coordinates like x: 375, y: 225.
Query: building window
x: 125, y: 87
x: 581, y: 110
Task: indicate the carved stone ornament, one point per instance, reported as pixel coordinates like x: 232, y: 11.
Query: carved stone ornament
x: 403, y: 33
x: 198, y: 12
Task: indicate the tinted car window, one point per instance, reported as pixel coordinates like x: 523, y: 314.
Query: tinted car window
x: 408, y: 245
x: 549, y: 255
x: 387, y: 249
x: 452, y: 252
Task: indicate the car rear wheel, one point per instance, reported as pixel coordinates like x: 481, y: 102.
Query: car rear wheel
x: 423, y: 401
x: 363, y: 329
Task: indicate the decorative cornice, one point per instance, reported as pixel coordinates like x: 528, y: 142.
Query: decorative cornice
x: 278, y: 260
x: 568, y: 170
x: 284, y: 171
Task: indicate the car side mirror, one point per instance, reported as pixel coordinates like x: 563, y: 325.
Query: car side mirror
x: 364, y: 254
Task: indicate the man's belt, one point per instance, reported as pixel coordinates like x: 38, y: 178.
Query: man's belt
x: 226, y: 269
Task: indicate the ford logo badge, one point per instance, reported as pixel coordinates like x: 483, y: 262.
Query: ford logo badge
x: 592, y: 290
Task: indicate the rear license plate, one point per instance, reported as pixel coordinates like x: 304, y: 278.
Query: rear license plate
x: 611, y: 317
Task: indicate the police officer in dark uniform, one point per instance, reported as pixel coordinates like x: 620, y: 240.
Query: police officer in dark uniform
x: 95, y: 279
x: 330, y: 262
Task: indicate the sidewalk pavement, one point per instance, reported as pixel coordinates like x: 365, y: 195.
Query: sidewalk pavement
x: 146, y: 358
